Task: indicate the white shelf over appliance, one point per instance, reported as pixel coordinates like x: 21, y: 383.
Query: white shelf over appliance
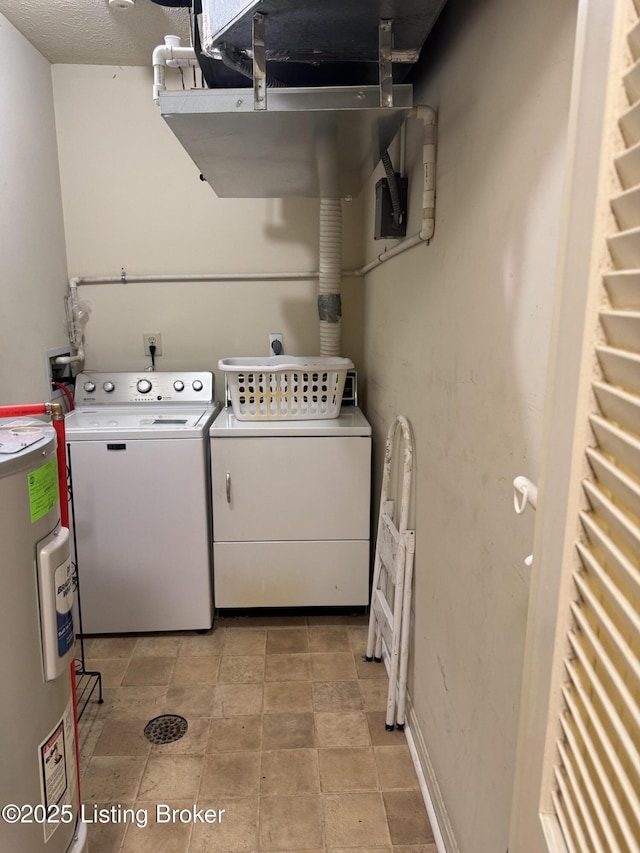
x: 313, y: 142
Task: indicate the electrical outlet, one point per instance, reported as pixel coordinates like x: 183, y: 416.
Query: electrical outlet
x: 276, y: 339
x: 151, y: 338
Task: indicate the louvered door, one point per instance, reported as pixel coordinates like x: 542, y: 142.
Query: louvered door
x: 597, y: 771
x: 589, y: 781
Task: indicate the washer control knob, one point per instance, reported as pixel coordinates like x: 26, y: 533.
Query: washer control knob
x: 196, y: 385
x: 108, y: 387
x: 89, y: 387
x: 143, y: 386
x: 178, y: 385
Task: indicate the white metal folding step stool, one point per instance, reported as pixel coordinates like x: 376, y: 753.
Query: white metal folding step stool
x: 393, y: 565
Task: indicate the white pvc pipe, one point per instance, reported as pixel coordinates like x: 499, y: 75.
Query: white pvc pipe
x: 407, y: 243
x: 428, y: 116
x: 168, y: 54
x: 77, y: 345
x: 72, y: 359
x: 178, y: 278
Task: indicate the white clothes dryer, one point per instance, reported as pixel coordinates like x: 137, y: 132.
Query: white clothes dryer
x: 139, y: 464
x: 291, y: 511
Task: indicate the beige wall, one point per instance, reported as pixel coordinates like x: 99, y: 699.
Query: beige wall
x: 456, y: 338
x: 133, y: 199
x: 34, y: 274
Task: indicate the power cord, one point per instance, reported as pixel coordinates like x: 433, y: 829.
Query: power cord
x: 152, y: 353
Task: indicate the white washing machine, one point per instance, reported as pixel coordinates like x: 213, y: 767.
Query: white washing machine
x: 291, y: 511
x: 139, y: 461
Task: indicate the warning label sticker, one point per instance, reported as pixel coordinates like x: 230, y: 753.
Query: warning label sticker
x: 43, y: 489
x: 54, y: 766
x: 58, y: 779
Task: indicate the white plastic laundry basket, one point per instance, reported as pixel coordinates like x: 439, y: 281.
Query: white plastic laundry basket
x: 285, y: 388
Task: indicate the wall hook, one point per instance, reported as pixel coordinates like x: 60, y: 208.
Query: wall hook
x: 524, y: 492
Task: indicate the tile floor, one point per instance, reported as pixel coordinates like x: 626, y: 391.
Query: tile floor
x: 286, y: 734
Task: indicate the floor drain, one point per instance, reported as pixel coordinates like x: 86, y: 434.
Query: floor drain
x: 165, y: 729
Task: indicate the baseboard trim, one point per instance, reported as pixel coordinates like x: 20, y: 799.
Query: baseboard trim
x: 442, y: 830
x: 441, y: 827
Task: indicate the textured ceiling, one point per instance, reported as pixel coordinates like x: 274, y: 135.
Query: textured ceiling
x: 92, y: 32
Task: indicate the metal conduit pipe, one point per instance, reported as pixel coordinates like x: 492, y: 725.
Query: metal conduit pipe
x: 329, y: 299
x: 392, y: 183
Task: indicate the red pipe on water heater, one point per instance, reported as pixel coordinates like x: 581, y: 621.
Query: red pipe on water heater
x: 66, y: 392
x: 58, y: 425
x: 24, y: 411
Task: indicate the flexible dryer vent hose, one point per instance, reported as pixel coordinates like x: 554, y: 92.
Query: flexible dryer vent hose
x: 232, y: 58
x: 329, y: 299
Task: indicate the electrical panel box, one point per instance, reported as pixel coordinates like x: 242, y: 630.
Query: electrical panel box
x: 384, y: 224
